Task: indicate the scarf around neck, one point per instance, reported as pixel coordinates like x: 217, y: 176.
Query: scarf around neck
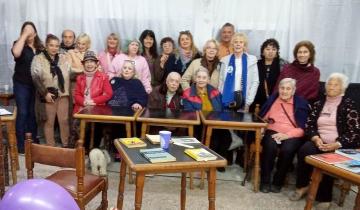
x: 66, y: 48
x: 185, y: 58
x: 229, y: 84
x: 55, y: 69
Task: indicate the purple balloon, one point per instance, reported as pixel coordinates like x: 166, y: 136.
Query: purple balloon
x: 39, y: 194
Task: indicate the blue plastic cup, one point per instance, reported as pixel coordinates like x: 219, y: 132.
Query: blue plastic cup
x: 165, y: 137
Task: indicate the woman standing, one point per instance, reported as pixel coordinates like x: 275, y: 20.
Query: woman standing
x: 302, y: 69
x: 141, y: 66
x: 149, y: 51
x: 50, y: 72
x: 181, y: 60
x: 333, y: 123
x: 112, y: 49
x: 210, y: 61
x: 167, y: 45
x: 269, y: 67
x: 24, y: 50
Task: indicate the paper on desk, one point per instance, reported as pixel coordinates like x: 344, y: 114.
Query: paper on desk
x: 4, y: 112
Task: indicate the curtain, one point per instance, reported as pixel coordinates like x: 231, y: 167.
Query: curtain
x: 330, y: 24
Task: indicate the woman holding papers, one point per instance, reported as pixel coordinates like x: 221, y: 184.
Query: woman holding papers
x: 333, y: 123
x: 286, y: 114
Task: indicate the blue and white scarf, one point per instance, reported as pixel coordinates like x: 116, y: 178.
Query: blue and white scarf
x: 229, y: 85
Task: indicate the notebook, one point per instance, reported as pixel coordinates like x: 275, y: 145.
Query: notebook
x: 132, y: 142
x: 200, y: 154
x: 157, y: 155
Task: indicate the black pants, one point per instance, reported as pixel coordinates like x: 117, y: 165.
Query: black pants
x: 304, y: 172
x: 220, y: 141
x: 287, y: 151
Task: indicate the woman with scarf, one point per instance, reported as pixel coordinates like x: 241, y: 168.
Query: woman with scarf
x: 210, y: 61
x: 24, y: 50
x: 239, y: 76
x: 141, y: 65
x: 112, y: 50
x: 149, y: 51
x: 181, y: 60
x: 302, y: 69
x: 269, y: 67
x: 50, y: 73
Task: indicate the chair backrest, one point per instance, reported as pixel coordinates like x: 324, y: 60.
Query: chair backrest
x: 2, y: 177
x: 54, y: 156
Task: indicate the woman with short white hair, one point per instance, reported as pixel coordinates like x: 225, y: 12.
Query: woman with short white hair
x: 286, y: 114
x: 332, y: 124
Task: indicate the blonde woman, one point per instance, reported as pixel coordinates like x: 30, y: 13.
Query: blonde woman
x: 112, y: 50
x: 210, y: 61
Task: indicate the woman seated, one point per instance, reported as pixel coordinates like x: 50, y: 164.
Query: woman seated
x: 50, y: 72
x: 128, y: 91
x: 332, y: 124
x: 204, y: 97
x: 210, y: 61
x: 167, y: 95
x: 286, y: 114
x: 92, y: 87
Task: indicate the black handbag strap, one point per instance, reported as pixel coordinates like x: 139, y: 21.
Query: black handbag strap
x: 287, y: 115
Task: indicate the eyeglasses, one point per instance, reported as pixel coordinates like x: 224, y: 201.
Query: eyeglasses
x: 185, y: 32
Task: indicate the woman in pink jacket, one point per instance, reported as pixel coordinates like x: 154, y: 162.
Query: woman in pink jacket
x: 112, y: 50
x: 141, y: 65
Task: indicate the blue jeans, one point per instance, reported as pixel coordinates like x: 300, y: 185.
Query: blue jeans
x: 25, y: 119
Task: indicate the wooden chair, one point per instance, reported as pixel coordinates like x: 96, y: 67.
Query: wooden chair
x: 81, y: 185
x: 2, y: 177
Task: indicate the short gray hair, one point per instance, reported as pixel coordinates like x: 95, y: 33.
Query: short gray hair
x: 291, y: 81
x: 340, y: 77
x: 173, y: 74
x: 202, y: 69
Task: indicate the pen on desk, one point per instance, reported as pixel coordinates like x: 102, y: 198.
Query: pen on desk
x: 183, y: 145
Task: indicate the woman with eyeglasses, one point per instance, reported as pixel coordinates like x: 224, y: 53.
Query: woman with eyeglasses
x: 185, y: 54
x: 112, y: 49
x: 167, y: 46
x: 149, y: 51
x: 50, y: 72
x: 141, y: 66
x: 286, y: 114
x: 210, y: 61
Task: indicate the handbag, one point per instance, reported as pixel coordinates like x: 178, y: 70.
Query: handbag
x: 238, y: 100
x: 53, y: 91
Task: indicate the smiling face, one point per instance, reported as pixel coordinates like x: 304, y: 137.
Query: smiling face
x: 211, y: 51
x: 168, y: 48
x: 133, y: 48
x: 112, y: 42
x: 303, y: 55
x: 239, y: 45
x: 52, y: 47
x: 148, y: 42
x: 334, y: 88
x: 128, y: 70
x: 226, y: 33
x: 173, y: 82
x: 270, y: 52
x: 82, y: 45
x: 286, y: 91
x: 201, y: 79
x: 90, y: 65
x: 185, y: 41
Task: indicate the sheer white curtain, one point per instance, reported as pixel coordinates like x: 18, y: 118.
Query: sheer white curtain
x: 332, y: 25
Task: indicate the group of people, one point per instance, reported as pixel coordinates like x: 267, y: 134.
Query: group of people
x: 64, y: 76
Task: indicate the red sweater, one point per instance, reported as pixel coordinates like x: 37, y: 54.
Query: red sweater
x: 307, y: 80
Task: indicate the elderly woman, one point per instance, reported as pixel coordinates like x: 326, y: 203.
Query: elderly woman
x: 50, y: 72
x: 112, y: 49
x: 167, y: 45
x: 167, y: 95
x: 127, y: 90
x: 302, y: 69
x: 210, y: 61
x: 269, y: 67
x: 24, y: 49
x: 187, y: 52
x: 92, y: 86
x: 286, y: 114
x: 332, y: 124
x: 141, y: 66
x: 239, y: 77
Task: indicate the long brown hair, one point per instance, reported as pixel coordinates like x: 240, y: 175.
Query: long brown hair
x: 37, y: 42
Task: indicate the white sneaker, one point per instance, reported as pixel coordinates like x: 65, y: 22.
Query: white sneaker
x: 236, y: 140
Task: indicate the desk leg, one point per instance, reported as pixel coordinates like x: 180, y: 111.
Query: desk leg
x: 82, y: 132
x: 120, y: 198
x: 183, y: 191
x: 191, y: 130
x: 140, y: 178
x: 257, y: 160
x: 315, y: 180
x: 143, y: 129
x: 128, y: 135
x: 2, y: 171
x: 357, y: 200
x: 13, y: 150
x: 208, y: 136
x: 211, y: 176
x: 191, y: 133
x: 92, y: 132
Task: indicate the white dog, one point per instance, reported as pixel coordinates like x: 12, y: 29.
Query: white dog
x: 99, y: 159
